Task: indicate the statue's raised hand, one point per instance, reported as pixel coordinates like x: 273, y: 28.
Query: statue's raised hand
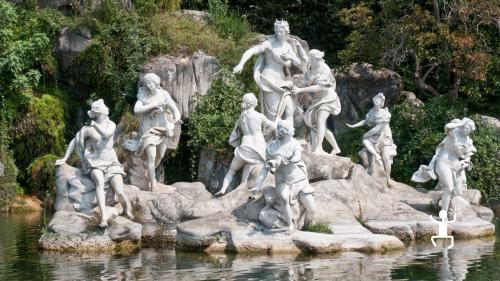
x: 349, y: 125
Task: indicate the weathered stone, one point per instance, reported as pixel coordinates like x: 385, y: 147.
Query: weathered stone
x: 198, y: 16
x: 411, y: 99
x: 122, y: 229
x: 185, y: 77
x: 357, y: 84
x: 70, y: 44
x: 492, y: 122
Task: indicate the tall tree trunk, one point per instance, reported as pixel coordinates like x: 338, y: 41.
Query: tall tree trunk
x: 435, y: 8
x: 419, y: 79
x: 455, y: 81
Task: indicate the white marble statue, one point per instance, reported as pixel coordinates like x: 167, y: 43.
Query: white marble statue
x: 248, y: 139
x: 272, y: 71
x: 452, y: 158
x: 152, y: 105
x: 284, y: 160
x: 321, y: 84
x: 378, y: 146
x: 94, y: 145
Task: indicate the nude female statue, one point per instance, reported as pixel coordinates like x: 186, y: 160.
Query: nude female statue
x: 248, y: 139
x: 94, y: 145
x: 377, y: 142
x: 321, y: 84
x: 284, y: 159
x: 152, y: 103
x: 275, y: 56
x: 452, y: 158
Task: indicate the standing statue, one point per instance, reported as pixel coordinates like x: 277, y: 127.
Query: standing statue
x: 94, y: 145
x: 284, y: 160
x: 321, y: 83
x: 248, y: 140
x: 155, y: 130
x: 450, y: 161
x: 275, y: 58
x: 377, y: 142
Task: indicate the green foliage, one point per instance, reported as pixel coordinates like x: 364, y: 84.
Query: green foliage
x: 149, y: 7
x: 43, y: 176
x: 40, y: 131
x: 216, y: 113
x: 320, y: 227
x: 8, y: 182
x: 227, y: 22
x: 109, y: 68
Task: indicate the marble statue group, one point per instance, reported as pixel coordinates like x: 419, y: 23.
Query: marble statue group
x: 264, y: 142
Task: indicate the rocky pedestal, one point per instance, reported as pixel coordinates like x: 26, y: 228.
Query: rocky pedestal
x: 362, y: 212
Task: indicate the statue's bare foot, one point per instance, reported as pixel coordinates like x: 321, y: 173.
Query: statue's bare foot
x: 290, y: 230
x: 335, y: 151
x: 129, y: 215
x: 103, y: 223
x: 219, y: 194
x: 380, y: 163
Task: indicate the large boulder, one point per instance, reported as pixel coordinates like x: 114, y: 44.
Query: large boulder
x: 185, y: 78
x: 357, y: 84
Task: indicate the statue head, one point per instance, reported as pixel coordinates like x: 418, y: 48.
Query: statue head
x: 285, y: 128
x: 281, y: 29
x: 249, y: 100
x: 379, y: 100
x: 466, y: 125
x: 98, y: 107
x: 316, y: 56
x: 151, y: 80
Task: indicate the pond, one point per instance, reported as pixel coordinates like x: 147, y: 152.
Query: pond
x: 20, y: 259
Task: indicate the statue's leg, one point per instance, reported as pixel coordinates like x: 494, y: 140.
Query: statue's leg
x: 288, y: 113
x: 371, y: 149
x: 236, y: 164
x: 284, y: 193
x: 117, y: 185
x: 150, y: 165
x: 98, y: 178
x: 307, y: 200
x: 320, y: 131
x: 445, y: 175
x: 331, y: 139
x: 387, y: 160
x: 160, y: 152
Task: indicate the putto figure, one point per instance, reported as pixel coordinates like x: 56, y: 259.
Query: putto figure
x: 248, y: 140
x: 155, y: 130
x: 284, y: 160
x: 276, y: 57
x: 378, y: 145
x: 452, y: 158
x: 94, y: 145
x: 321, y: 84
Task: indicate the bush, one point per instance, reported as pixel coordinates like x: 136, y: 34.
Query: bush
x: 8, y: 174
x: 227, y: 22
x: 39, y: 132
x: 43, y: 175
x: 320, y: 227
x: 216, y: 113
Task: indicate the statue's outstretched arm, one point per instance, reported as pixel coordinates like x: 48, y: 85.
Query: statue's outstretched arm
x: 69, y: 150
x: 255, y: 50
x: 359, y: 124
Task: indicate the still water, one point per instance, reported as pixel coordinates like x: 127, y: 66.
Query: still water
x: 20, y: 259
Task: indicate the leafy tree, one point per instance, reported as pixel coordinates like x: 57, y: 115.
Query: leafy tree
x: 442, y: 46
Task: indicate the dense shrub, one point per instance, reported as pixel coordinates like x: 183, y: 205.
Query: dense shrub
x: 216, y: 113
x: 8, y: 181
x: 43, y: 176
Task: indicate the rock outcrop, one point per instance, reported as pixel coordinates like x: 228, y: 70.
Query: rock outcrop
x: 357, y: 84
x: 185, y: 78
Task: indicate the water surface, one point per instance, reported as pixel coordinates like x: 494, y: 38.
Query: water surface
x: 20, y: 259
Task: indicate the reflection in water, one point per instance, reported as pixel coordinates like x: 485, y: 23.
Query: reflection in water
x: 20, y: 259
